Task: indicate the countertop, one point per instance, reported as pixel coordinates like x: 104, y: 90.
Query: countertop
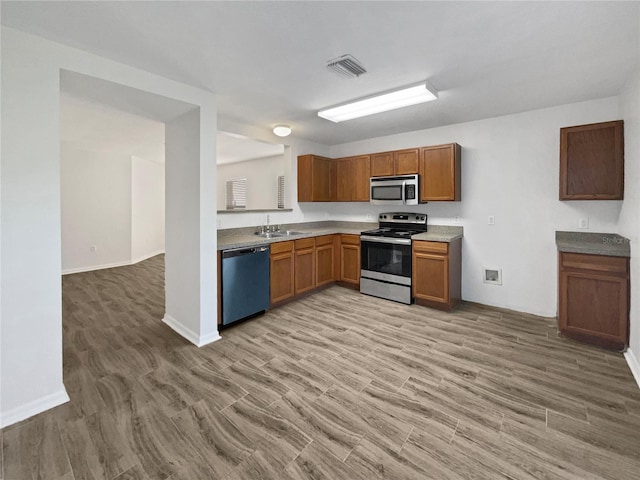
x: 244, y: 237
x: 609, y: 244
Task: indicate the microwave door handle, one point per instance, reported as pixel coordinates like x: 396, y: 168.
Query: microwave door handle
x: 404, y: 192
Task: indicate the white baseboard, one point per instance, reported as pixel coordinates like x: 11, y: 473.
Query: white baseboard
x: 189, y: 334
x: 634, y: 365
x: 92, y: 268
x: 33, y: 408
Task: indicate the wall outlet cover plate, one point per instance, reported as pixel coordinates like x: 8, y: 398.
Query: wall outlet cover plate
x: 492, y: 276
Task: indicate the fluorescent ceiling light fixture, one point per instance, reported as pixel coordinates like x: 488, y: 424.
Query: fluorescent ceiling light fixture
x: 282, y: 130
x: 380, y: 103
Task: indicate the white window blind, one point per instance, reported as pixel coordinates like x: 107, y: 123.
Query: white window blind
x: 236, y: 193
x: 280, y: 191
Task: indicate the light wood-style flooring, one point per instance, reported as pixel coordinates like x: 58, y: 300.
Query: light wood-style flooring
x: 335, y: 386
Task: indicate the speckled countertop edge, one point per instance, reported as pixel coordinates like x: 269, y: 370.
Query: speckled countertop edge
x: 244, y: 237
x: 609, y: 244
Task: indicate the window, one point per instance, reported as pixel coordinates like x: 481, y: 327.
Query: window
x: 236, y: 193
x: 281, y: 191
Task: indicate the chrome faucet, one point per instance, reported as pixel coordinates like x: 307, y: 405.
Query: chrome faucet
x: 268, y: 229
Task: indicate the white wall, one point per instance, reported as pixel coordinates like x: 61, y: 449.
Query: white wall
x: 294, y: 147
x: 112, y: 201
x: 31, y: 346
x: 183, y: 241
x: 510, y: 168
x: 147, y: 208
x: 262, y: 181
x: 30, y: 303
x: 629, y: 225
x: 95, y: 195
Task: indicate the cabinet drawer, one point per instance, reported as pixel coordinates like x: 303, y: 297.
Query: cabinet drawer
x: 303, y: 243
x: 281, y: 247
x: 598, y: 263
x: 324, y: 240
x: 347, y: 239
x: 431, y: 247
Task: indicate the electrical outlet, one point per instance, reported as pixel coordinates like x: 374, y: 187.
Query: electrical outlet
x: 491, y: 220
x: 93, y: 248
x: 456, y: 220
x: 583, y: 223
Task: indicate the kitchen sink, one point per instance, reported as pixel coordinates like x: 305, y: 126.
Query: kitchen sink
x: 284, y: 233
x: 270, y: 234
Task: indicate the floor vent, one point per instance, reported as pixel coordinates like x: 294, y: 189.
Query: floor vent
x: 347, y: 66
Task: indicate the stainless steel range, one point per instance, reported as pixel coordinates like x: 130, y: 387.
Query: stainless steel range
x: 386, y: 256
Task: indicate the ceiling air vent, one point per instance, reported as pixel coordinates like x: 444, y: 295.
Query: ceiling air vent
x: 347, y: 66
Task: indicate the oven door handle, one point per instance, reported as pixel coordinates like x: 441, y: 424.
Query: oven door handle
x: 397, y: 241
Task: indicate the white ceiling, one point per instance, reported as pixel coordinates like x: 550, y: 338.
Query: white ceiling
x: 95, y: 127
x: 231, y: 148
x: 266, y: 60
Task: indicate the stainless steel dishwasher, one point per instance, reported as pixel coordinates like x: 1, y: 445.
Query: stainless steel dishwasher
x: 245, y: 282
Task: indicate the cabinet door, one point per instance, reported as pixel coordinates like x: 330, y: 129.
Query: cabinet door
x: 344, y: 179
x: 282, y: 271
x: 440, y: 173
x: 431, y: 277
x: 305, y: 178
x: 325, y: 272
x: 316, y: 179
x: 594, y: 304
x: 323, y: 185
x: 350, y: 264
x: 592, y: 162
x: 382, y: 164
x: 304, y: 268
x: 407, y: 161
x: 360, y: 175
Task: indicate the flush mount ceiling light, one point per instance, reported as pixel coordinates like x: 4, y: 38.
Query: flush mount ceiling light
x: 381, y: 103
x: 282, y: 130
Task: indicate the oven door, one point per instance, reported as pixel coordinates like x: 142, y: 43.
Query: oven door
x: 386, y: 259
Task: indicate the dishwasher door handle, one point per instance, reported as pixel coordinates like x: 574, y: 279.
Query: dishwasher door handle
x: 244, y: 251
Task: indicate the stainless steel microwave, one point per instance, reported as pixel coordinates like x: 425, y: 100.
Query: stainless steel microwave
x: 398, y: 190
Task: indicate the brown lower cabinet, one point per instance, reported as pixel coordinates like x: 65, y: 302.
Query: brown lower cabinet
x: 437, y: 273
x: 593, y: 299
x: 304, y: 265
x: 300, y: 266
x: 282, y: 271
x: 350, y: 259
x: 325, y: 260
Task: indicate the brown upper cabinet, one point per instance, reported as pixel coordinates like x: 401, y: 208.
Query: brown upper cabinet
x: 316, y: 179
x: 440, y: 173
x: 346, y: 179
x: 399, y: 162
x: 592, y: 162
x: 352, y: 175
